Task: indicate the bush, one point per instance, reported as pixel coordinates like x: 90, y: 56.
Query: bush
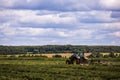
x: 112, y: 55
x: 57, y: 56
x: 106, y: 56
x: 95, y: 55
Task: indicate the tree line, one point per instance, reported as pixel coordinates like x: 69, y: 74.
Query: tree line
x: 57, y: 49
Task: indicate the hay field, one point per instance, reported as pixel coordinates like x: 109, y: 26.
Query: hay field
x: 42, y: 68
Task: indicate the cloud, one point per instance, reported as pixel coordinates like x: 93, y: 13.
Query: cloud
x: 115, y: 14
x: 6, y: 3
x: 63, y: 25
x: 83, y: 33
x: 53, y: 19
x: 93, y: 17
x: 116, y: 34
x: 46, y: 19
x: 34, y: 17
x: 110, y: 4
x: 59, y: 22
x: 115, y: 42
x: 8, y: 30
x: 113, y: 26
x: 27, y: 36
x: 54, y: 5
x: 61, y: 5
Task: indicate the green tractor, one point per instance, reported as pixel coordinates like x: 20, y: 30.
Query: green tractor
x: 77, y: 58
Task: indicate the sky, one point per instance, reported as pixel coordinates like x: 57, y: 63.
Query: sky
x: 59, y: 22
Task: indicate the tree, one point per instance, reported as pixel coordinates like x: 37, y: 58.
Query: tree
x: 36, y: 51
x: 96, y: 55
x: 111, y: 55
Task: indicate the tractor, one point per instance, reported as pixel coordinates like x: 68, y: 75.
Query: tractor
x: 77, y: 58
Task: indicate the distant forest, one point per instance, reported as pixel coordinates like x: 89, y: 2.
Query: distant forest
x: 57, y: 49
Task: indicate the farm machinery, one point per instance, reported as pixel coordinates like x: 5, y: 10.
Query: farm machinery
x: 77, y: 58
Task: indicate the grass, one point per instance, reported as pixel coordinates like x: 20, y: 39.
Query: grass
x: 37, y: 68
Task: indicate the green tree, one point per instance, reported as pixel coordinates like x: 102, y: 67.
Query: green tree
x: 36, y: 51
x: 111, y: 55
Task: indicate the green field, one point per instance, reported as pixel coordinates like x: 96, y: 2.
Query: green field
x: 37, y: 68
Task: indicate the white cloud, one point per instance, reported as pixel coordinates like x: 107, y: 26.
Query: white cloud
x: 79, y: 33
x: 58, y: 5
x: 110, y: 4
x: 100, y: 36
x: 68, y: 18
x: 63, y: 34
x: 116, y: 34
x: 29, y: 16
x: 75, y: 21
x: 62, y: 5
x: 7, y: 3
x: 33, y: 31
x: 115, y: 42
x: 112, y: 25
x: 46, y: 19
x: 7, y: 30
x: 96, y: 17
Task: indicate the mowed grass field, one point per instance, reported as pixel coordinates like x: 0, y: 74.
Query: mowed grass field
x: 41, y: 68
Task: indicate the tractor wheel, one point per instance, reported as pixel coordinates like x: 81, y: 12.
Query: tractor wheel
x: 67, y: 62
x: 74, y: 62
